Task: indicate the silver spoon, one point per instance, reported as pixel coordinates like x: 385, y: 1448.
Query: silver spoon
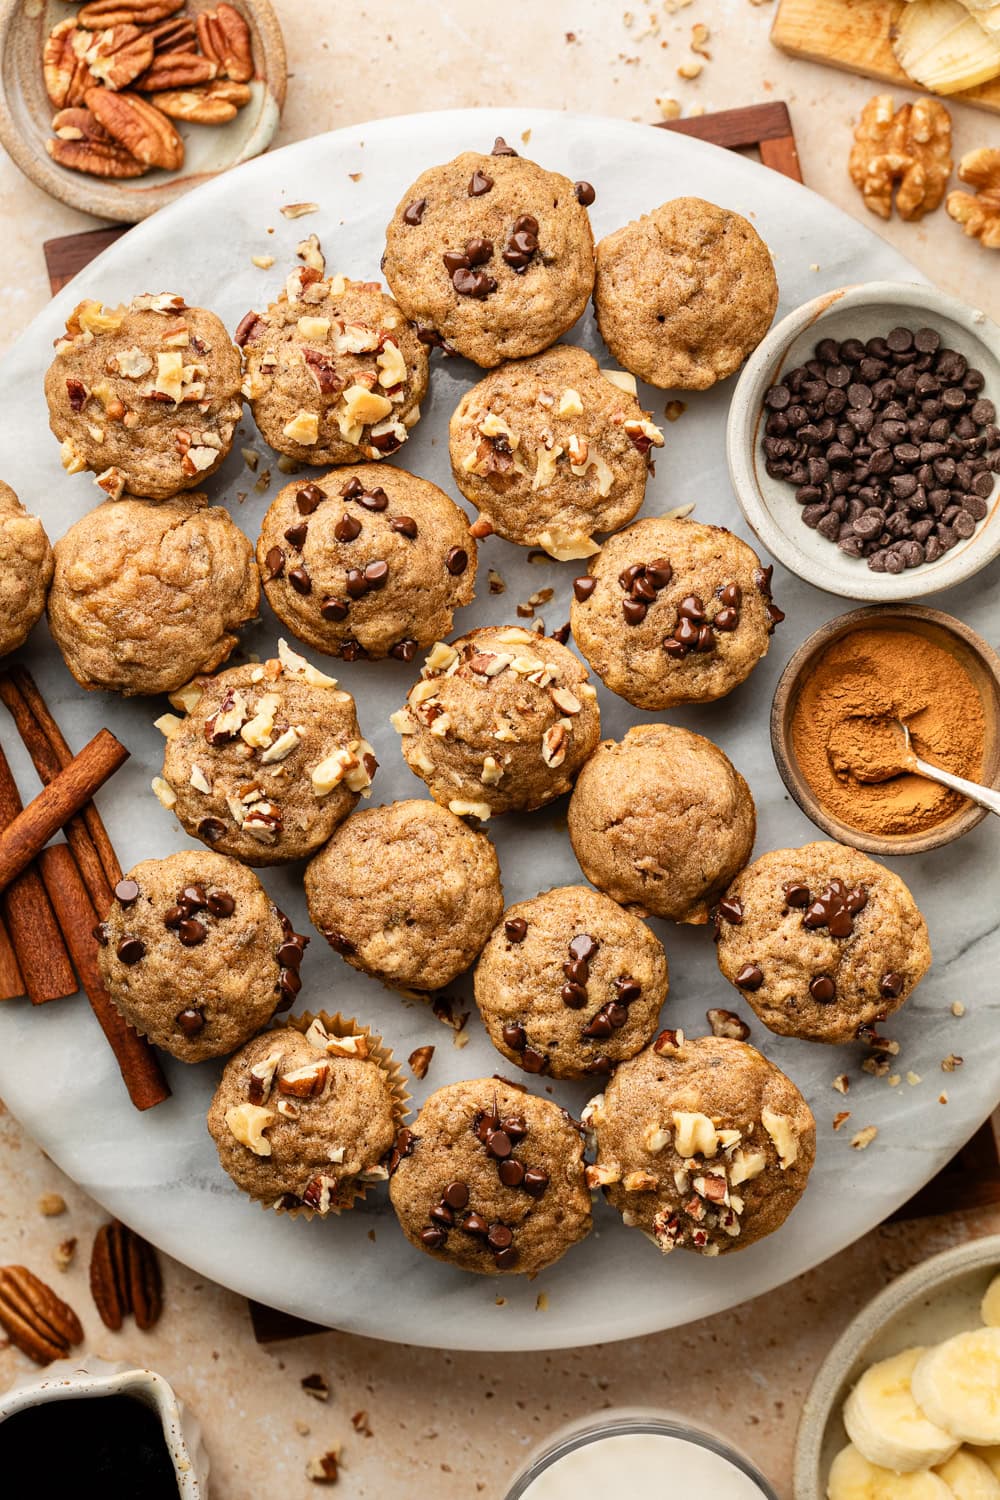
x: 983, y: 796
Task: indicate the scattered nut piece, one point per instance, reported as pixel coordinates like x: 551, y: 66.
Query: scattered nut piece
x: 690, y: 69
x: 316, y: 1386
x: 951, y: 1062
x: 841, y: 1083
x: 308, y: 250
x: 957, y: 1008
x: 908, y: 149
x: 841, y: 1118
x: 420, y: 1060
x: 325, y: 1468
x: 64, y: 1253
x: 728, y: 1024
x: 50, y: 1205
x: 262, y: 262
x: 979, y: 214
x: 674, y: 410
x: 298, y: 210
x: 864, y: 1138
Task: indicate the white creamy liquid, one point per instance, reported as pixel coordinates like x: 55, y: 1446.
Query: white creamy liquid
x: 654, y: 1465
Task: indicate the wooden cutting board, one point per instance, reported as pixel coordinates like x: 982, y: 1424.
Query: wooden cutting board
x: 855, y: 35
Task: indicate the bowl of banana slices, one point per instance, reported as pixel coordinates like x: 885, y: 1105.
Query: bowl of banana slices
x: 906, y: 1406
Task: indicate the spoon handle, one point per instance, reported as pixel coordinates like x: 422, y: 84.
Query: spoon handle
x: 984, y: 796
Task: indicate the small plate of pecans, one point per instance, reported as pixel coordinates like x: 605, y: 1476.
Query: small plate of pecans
x: 116, y: 107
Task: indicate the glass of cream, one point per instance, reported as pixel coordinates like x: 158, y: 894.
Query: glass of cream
x: 623, y: 1449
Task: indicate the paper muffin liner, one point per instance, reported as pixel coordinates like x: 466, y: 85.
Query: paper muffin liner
x: 378, y: 1052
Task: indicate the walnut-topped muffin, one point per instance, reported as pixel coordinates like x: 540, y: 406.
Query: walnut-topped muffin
x: 25, y: 571
x: 334, y: 372
x: 146, y: 395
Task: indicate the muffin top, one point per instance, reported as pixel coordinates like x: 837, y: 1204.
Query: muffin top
x: 25, y: 570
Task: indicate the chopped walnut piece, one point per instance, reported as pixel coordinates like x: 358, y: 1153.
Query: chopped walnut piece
x: 979, y: 213
x: 908, y: 149
x: 951, y: 1062
x: 420, y: 1060
x: 316, y: 1386
x: 864, y: 1138
x: 325, y: 1468
x: 64, y: 1253
x: 728, y: 1024
x: 841, y: 1083
x: 841, y: 1118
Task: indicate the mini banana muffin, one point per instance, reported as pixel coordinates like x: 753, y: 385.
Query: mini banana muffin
x: 662, y: 821
x: 553, y: 448
x: 490, y: 1179
x: 672, y: 612
x: 268, y: 760
x: 492, y: 253
x: 570, y: 983
x: 364, y: 569
x: 146, y: 395
x: 407, y: 893
x: 702, y: 1143
x: 334, y: 372
x: 145, y: 597
x: 302, y: 1120
x: 684, y: 294
x: 195, y: 956
x: 823, y: 942
x: 25, y: 571
x: 500, y: 721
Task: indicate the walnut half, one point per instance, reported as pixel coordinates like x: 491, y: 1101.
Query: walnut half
x: 908, y: 150
x: 979, y: 212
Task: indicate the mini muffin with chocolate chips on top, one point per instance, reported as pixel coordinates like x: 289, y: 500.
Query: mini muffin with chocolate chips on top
x: 490, y: 1178
x: 492, y: 255
x: 823, y: 942
x: 146, y: 395
x: 303, y: 1120
x: 674, y: 612
x: 500, y: 721
x: 195, y: 956
x: 553, y: 448
x: 702, y: 1144
x: 268, y: 760
x: 570, y: 983
x: 362, y: 564
x: 334, y: 372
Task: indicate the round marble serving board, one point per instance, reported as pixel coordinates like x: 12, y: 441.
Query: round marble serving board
x: 158, y: 1171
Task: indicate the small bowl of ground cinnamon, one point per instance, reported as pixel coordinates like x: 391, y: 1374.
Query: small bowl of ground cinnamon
x: 835, y: 726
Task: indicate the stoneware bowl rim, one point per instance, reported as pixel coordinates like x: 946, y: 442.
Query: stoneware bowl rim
x: 828, y: 1386
x: 787, y: 765
x: 836, y: 573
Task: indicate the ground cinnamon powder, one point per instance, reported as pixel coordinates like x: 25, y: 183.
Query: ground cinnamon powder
x: 848, y: 749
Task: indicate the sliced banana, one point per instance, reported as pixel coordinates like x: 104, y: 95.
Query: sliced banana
x: 968, y: 1477
x: 886, y: 1425
x: 852, y: 1477
x: 957, y: 1385
x: 944, y: 48
x: 990, y: 1306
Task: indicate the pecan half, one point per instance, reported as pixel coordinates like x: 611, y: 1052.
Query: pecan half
x: 177, y: 70
x: 67, y: 76
x: 125, y: 1277
x: 100, y: 13
x: 176, y: 35
x: 38, y: 1322
x: 214, y: 104
x: 83, y: 152
x: 225, y: 38
x: 142, y: 129
x: 117, y: 55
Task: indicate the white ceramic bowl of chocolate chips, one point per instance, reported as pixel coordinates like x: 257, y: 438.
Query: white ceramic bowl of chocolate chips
x: 863, y: 442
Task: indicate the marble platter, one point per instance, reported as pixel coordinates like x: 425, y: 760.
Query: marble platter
x: 158, y: 1171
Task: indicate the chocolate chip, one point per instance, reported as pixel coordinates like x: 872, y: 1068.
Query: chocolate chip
x: 891, y: 986
x: 334, y: 609
x: 731, y: 908
x: 127, y: 892
x: 356, y: 583
x: 456, y: 561
x: 477, y: 251
x: 573, y: 995
x: 340, y: 943
x: 583, y: 946
x: 191, y: 932
x: 297, y: 534
x: 405, y: 525
x: 634, y: 611
x: 585, y: 194
x: 822, y: 989
x: 221, y: 904
x: 211, y: 829
x: 533, y: 1061
x: 433, y: 1237
x: 468, y: 283
x: 456, y: 1195
x: 726, y: 619
x: 442, y: 1214
x: 376, y: 574
x: 510, y: 1172
x: 628, y: 990
x: 750, y: 977
x: 475, y: 1224
x: 191, y: 1021
x: 499, y: 1237
x: 516, y: 929
x: 130, y: 950
x: 479, y: 184
x: 498, y: 1144
x: 347, y: 528
x: 535, y: 1182
x: 514, y: 1036
x: 413, y: 213
x: 174, y: 916
x: 584, y: 587
x: 599, y: 1027
x: 100, y: 934
x: 404, y: 650
x: 796, y: 894
x: 308, y: 498
x: 375, y: 499
x: 300, y: 581
x: 501, y: 148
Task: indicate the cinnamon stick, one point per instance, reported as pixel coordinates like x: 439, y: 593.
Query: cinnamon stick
x: 55, y: 804
x: 11, y: 980
x: 140, y: 1070
x: 46, y: 971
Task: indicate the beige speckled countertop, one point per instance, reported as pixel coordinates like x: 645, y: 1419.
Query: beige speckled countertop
x: 458, y: 1426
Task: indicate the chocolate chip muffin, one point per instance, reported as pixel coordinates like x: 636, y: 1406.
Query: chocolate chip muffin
x: 823, y: 942
x: 684, y: 294
x: 407, y: 893
x: 500, y: 721
x: 146, y: 596
x: 570, y: 983
x: 146, y: 395
x: 303, y: 1121
x: 662, y: 821
x: 493, y: 254
x: 553, y: 448
x: 333, y: 371
x: 25, y: 571
x: 490, y: 1179
x: 195, y: 956
x: 702, y: 1144
x: 267, y: 761
x: 674, y: 612
x: 364, y: 569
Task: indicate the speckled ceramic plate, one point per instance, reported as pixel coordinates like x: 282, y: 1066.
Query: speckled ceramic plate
x: 159, y: 1171
x: 26, y: 115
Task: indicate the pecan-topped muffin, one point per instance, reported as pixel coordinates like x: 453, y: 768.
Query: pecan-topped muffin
x: 674, y: 612
x: 490, y: 1179
x: 146, y: 395
x: 268, y: 760
x: 553, y: 448
x: 194, y: 954
x: 500, y: 721
x: 360, y: 563
x: 702, y: 1144
x: 492, y: 253
x: 822, y: 941
x: 334, y: 372
x: 25, y: 571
